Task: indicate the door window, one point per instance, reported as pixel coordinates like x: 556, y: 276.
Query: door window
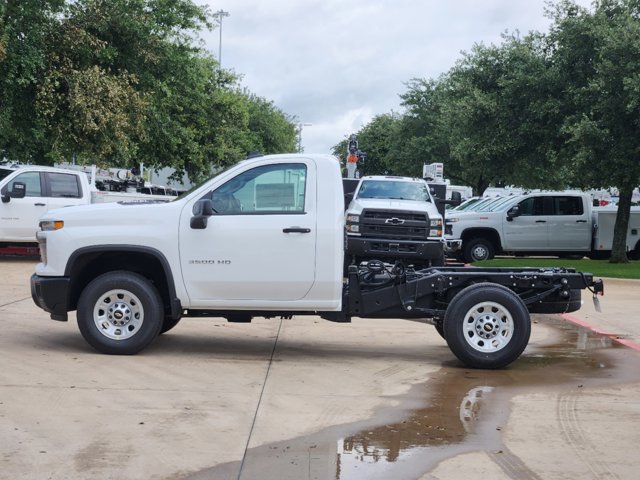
x: 567, y: 206
x: 270, y: 189
x: 531, y: 206
x: 31, y: 181
x: 64, y: 185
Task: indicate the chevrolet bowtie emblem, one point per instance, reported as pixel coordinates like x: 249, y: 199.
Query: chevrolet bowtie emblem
x: 394, y: 221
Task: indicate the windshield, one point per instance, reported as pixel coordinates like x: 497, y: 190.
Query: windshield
x: 4, y: 172
x: 496, y: 205
x: 394, y: 190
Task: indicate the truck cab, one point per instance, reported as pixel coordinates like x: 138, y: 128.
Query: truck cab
x: 27, y: 193
x: 394, y: 218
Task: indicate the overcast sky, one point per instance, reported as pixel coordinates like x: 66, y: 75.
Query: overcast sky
x: 335, y: 64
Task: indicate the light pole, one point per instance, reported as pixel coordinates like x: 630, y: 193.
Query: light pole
x: 220, y: 14
x: 300, y: 125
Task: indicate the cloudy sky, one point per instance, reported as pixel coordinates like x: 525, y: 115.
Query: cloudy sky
x: 335, y: 64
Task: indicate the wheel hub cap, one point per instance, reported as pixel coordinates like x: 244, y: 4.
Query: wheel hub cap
x: 488, y: 327
x: 118, y: 314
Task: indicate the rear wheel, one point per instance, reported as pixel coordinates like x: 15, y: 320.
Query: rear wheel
x: 487, y: 326
x: 120, y: 313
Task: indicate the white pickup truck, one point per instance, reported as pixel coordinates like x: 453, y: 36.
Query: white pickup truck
x: 547, y: 223
x: 394, y: 218
x: 266, y: 238
x: 28, y: 192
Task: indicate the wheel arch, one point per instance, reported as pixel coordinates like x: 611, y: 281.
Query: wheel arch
x: 489, y: 233
x: 87, y: 263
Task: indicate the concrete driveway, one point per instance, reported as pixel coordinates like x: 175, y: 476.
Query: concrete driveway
x: 306, y: 398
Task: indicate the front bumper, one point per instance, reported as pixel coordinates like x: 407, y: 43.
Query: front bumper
x: 367, y: 247
x: 452, y: 245
x: 51, y: 294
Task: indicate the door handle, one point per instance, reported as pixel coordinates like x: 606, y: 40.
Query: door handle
x: 581, y: 221
x: 541, y: 221
x: 296, y: 230
x: 39, y: 204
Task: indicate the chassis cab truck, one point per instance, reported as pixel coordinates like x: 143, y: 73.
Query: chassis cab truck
x: 266, y: 238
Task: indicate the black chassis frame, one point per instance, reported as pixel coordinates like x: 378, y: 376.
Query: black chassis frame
x: 427, y: 293
x: 395, y: 292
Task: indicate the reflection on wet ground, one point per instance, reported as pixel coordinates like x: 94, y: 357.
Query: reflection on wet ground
x: 456, y: 411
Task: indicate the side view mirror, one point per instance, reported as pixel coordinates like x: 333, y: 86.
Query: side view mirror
x: 18, y: 190
x: 512, y: 213
x: 456, y: 199
x: 202, y: 210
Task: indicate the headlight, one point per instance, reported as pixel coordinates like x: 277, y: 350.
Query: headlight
x: 48, y: 225
x: 353, y: 218
x: 353, y: 228
x: 436, y: 227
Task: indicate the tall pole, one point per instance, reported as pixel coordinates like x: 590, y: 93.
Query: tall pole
x: 220, y: 14
x: 300, y: 125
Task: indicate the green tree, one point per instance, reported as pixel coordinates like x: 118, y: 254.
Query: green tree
x: 500, y: 115
x: 271, y: 130
x: 596, y: 59
x: 25, y: 29
x: 122, y: 82
x: 421, y: 137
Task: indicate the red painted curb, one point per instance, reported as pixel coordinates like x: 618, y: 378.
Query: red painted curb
x: 616, y: 338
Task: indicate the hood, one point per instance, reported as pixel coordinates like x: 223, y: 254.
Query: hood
x: 359, y: 204
x: 118, y: 213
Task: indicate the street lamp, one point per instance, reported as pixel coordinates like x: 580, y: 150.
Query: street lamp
x: 220, y: 14
x: 300, y: 125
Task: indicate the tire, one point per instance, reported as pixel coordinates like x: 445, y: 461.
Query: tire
x: 120, y: 313
x: 478, y: 249
x: 487, y: 326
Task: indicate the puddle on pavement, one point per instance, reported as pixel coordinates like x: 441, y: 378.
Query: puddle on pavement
x: 456, y: 411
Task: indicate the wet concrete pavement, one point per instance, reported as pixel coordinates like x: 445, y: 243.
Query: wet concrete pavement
x: 305, y: 398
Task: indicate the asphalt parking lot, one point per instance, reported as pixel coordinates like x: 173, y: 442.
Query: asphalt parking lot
x: 309, y: 399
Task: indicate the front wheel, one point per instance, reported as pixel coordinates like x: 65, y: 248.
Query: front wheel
x: 487, y: 326
x: 477, y: 250
x: 120, y: 313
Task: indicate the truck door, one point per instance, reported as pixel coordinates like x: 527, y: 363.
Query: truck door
x: 260, y: 244
x: 569, y: 224
x: 529, y: 230
x: 19, y: 216
x: 63, y: 190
